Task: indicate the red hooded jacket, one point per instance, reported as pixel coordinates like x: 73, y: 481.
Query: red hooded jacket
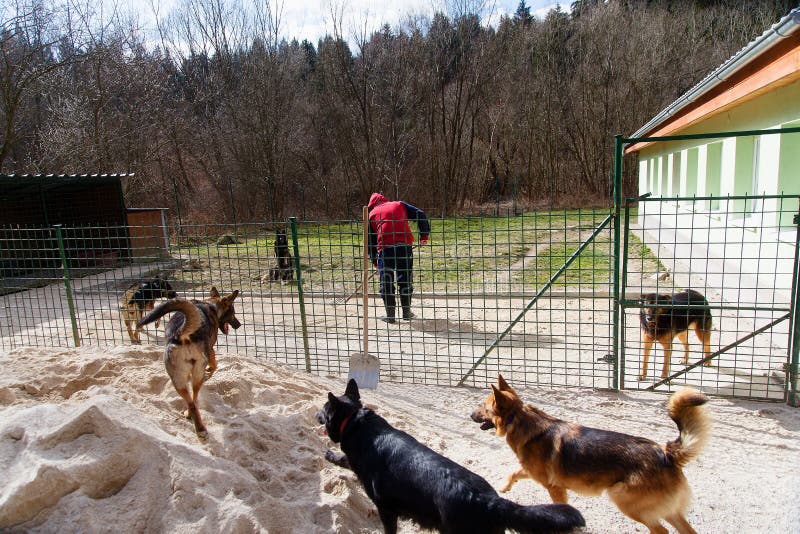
x: 388, y: 222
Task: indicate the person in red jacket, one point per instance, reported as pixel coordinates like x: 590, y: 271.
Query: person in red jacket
x: 390, y: 248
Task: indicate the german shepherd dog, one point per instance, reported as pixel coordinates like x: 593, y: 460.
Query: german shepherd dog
x: 668, y: 316
x: 191, y: 334
x: 643, y: 478
x: 407, y: 479
x: 139, y: 298
x: 284, y: 270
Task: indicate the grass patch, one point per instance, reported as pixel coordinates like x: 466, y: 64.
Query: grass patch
x: 464, y: 255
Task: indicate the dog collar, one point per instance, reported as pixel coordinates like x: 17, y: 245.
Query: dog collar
x: 344, y: 424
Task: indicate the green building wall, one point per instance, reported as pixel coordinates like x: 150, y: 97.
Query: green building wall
x: 767, y: 164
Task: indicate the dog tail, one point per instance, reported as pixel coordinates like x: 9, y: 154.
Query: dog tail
x: 193, y: 318
x: 687, y: 410
x: 539, y: 518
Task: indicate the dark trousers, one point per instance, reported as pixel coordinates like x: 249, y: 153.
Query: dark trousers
x: 397, y: 260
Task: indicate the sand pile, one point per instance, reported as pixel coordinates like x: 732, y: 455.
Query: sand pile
x: 93, y: 440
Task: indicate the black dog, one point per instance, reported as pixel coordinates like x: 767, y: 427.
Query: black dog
x: 407, y: 479
x: 140, y: 298
x: 285, y: 269
x: 668, y: 316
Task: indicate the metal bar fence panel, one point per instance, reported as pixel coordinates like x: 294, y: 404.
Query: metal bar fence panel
x: 738, y: 251
x: 470, y: 283
x: 474, y: 277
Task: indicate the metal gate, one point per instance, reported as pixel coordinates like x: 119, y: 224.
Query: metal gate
x: 741, y: 253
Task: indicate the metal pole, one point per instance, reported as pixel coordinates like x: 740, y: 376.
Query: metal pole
x: 621, y: 301
x: 70, y: 304
x: 364, y: 276
x: 792, y: 396
x: 617, y: 207
x: 299, y: 274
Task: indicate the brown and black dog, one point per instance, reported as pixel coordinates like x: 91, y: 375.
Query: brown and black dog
x: 191, y: 334
x: 140, y: 298
x: 666, y: 316
x: 643, y: 478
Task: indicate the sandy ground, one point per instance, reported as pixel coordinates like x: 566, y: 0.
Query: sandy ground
x: 92, y: 440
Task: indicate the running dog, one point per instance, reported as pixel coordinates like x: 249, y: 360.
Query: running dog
x: 643, y: 478
x: 191, y: 334
x: 140, y: 298
x: 407, y: 479
x: 668, y: 316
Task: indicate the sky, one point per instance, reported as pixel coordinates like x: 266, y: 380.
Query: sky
x: 312, y: 19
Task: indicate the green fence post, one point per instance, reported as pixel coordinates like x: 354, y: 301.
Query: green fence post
x: 65, y: 267
x: 617, y: 209
x: 623, y: 289
x: 299, y: 274
x: 792, y: 396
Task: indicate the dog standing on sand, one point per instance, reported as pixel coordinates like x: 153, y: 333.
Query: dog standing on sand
x: 643, y: 478
x: 191, y: 335
x: 140, y: 298
x: 668, y: 316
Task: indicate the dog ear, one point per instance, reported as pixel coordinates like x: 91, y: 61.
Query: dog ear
x: 214, y: 292
x: 232, y: 296
x: 352, y: 390
x: 502, y: 385
x: 332, y: 399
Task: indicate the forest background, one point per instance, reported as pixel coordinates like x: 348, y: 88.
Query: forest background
x: 220, y: 116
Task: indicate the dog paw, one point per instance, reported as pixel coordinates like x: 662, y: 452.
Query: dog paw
x: 505, y: 488
x: 187, y: 414
x: 202, y: 435
x: 642, y: 378
x: 331, y: 456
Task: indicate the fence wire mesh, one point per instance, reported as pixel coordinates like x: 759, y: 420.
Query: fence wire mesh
x: 63, y: 286
x: 470, y: 281
x: 740, y: 253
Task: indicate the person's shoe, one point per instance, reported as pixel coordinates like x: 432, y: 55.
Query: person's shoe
x: 388, y: 319
x: 405, y: 303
